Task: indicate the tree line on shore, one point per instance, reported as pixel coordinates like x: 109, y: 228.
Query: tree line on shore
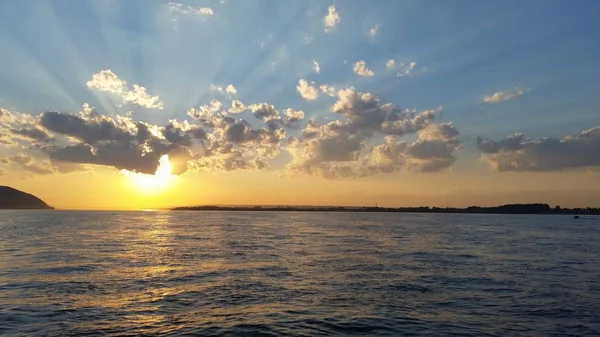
x: 536, y: 208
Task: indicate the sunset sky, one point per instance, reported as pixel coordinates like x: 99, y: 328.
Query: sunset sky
x: 144, y: 104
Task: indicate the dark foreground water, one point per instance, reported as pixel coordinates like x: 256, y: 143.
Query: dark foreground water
x: 285, y: 274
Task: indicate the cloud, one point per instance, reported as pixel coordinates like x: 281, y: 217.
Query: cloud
x: 306, y: 90
x: 206, y: 111
x: 34, y: 133
x: 178, y: 8
x: 501, y: 96
x: 328, y: 90
x: 18, y: 128
x: 361, y: 69
x: 361, y: 138
x: 405, y: 70
x: 107, y: 81
x: 375, y: 30
x: 331, y: 19
x: 102, y: 140
x: 229, y: 90
x: 263, y: 111
x: 401, y: 68
x: 317, y: 67
x: 364, y: 112
x: 342, y: 148
x: 518, y: 153
x: 237, y: 107
x: 293, y: 117
x: 26, y: 162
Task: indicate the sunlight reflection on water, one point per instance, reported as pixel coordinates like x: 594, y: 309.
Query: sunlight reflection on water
x: 269, y: 273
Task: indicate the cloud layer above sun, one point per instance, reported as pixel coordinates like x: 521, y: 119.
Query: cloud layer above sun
x: 363, y: 138
x: 329, y: 92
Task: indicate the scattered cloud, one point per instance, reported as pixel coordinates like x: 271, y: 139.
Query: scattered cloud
x: 361, y: 69
x: 406, y: 69
x: 217, y: 137
x: 390, y: 64
x: 263, y: 111
x: 317, y: 67
x: 343, y: 149
x: 375, y: 30
x: 502, y: 96
x: 401, y: 68
x: 229, y: 90
x: 328, y: 90
x: 178, y: 8
x: 107, y: 81
x: 206, y: 110
x: 306, y: 90
x: 237, y: 107
x: 518, y: 153
x: 331, y: 19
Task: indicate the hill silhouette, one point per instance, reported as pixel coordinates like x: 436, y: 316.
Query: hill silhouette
x: 11, y: 198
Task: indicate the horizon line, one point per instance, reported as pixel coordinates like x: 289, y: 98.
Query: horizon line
x: 169, y: 208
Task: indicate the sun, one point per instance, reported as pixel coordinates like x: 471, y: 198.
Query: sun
x: 152, y: 184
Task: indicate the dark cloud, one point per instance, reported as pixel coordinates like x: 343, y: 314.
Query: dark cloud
x: 33, y: 133
x: 517, y: 153
x: 123, y: 156
x: 510, y: 143
x: 90, y: 131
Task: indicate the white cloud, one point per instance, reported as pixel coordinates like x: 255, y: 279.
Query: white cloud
x: 108, y: 81
x: 375, y: 30
x: 317, y: 67
x: 237, y: 107
x: 361, y: 69
x: 178, y: 8
x: 501, y: 96
x: 328, y: 90
x: 342, y: 148
x: 402, y: 69
x: 405, y: 70
x: 308, y: 39
x: 306, y: 90
x: 207, y: 110
x: 140, y: 97
x: 331, y: 19
x: 229, y: 90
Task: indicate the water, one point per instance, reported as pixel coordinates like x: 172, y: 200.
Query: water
x: 306, y: 274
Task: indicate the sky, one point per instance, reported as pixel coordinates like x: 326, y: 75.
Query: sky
x: 148, y: 104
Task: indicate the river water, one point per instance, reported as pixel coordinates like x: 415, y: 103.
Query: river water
x: 66, y: 273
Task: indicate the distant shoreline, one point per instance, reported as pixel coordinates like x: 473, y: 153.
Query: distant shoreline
x: 503, y: 209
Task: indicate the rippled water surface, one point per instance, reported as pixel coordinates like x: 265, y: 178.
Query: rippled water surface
x: 284, y: 274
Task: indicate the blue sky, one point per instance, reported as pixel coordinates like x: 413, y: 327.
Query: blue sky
x: 541, y: 56
x: 469, y: 48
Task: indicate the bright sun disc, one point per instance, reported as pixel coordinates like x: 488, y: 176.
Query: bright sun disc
x: 150, y: 184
